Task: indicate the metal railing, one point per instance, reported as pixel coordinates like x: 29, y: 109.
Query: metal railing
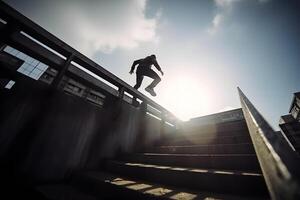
x: 28, y: 37
x: 279, y: 163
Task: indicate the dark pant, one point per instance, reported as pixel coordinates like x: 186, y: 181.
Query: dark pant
x: 146, y: 72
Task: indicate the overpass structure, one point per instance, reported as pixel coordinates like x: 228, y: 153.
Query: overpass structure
x: 76, y: 131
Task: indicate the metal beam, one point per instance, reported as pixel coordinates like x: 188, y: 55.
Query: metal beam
x: 279, y: 163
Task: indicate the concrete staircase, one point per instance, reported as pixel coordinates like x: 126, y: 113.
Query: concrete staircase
x: 186, y: 165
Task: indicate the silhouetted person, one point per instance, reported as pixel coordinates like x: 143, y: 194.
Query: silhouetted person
x: 144, y: 69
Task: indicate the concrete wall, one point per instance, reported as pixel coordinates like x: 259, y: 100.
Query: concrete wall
x: 47, y: 134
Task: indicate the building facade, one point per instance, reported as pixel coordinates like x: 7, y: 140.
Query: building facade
x: 39, y: 71
x: 290, y: 123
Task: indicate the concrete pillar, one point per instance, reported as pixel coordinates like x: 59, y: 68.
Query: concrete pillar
x: 141, y: 132
x: 143, y: 107
x: 61, y: 73
x: 162, y: 124
x: 135, y: 103
x: 121, y: 92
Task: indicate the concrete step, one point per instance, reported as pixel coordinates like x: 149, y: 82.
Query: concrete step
x: 109, y: 186
x: 243, y: 148
x: 233, y: 182
x: 203, y: 133
x: 243, y: 162
x: 206, y: 140
x: 215, y: 127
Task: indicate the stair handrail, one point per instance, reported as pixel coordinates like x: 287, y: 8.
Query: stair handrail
x: 279, y: 163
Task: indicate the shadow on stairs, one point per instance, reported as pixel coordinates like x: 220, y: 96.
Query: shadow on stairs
x: 178, y: 170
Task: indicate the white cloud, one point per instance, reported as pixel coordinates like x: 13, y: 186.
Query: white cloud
x: 224, y: 8
x: 96, y: 25
x: 225, y: 3
x: 218, y: 19
x: 108, y: 25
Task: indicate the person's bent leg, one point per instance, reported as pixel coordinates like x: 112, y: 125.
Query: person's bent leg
x: 139, y: 79
x: 154, y: 83
x: 156, y: 79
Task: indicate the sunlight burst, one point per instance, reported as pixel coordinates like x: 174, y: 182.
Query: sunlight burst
x: 188, y: 97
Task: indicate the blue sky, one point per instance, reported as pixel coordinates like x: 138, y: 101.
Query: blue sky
x: 206, y: 48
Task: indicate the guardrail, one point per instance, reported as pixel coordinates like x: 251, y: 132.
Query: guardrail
x: 28, y: 37
x: 279, y: 163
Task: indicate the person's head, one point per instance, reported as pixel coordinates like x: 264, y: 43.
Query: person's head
x: 153, y: 57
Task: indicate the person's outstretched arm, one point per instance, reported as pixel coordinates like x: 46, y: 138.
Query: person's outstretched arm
x: 158, y: 67
x: 133, y: 65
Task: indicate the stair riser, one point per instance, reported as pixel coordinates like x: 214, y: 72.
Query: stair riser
x: 247, y: 163
x: 207, y: 141
x: 211, y: 149
x: 192, y: 135
x: 224, y: 183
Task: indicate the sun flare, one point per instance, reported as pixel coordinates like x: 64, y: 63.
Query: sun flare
x: 188, y: 97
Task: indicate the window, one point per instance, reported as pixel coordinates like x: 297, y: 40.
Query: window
x: 298, y: 101
x: 96, y: 98
x: 10, y: 84
x: 295, y: 111
x: 73, y: 88
x: 48, y: 77
x: 31, y: 67
x: 8, y: 49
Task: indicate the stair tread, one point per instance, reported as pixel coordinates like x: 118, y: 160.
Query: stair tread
x: 200, y: 145
x: 188, y: 169
x: 199, y: 136
x: 241, y: 148
x: 247, y: 162
x: 214, y: 180
x: 195, y: 155
x: 150, y: 190
x: 206, y: 140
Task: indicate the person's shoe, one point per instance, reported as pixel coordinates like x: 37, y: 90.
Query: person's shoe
x: 151, y: 91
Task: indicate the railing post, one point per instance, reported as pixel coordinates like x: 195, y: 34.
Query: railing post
x: 135, y: 103
x: 61, y: 73
x: 143, y: 107
x: 141, y: 132
x: 279, y: 163
x: 121, y: 92
x: 162, y: 124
